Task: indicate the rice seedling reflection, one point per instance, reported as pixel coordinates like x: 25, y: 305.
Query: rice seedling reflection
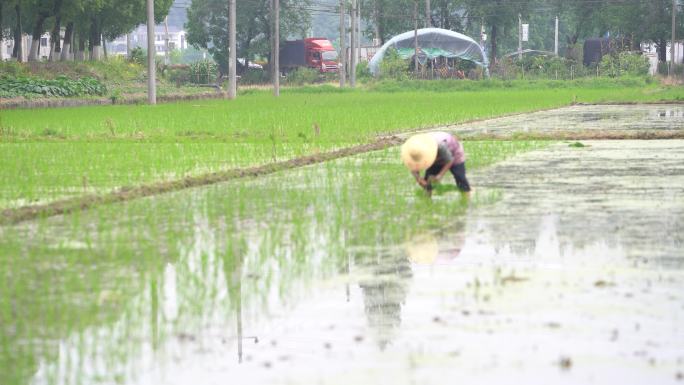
x: 114, y: 292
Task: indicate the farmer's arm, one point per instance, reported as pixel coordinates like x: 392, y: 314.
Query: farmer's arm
x: 422, y: 182
x: 445, y: 156
x: 444, y: 169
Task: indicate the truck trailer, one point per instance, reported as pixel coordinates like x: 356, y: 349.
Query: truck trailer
x: 314, y: 52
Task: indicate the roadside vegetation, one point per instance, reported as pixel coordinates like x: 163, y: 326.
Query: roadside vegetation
x: 60, y: 87
x: 116, y: 78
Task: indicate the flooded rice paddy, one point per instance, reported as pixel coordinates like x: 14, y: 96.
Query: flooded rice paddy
x: 596, y: 119
x: 565, y: 266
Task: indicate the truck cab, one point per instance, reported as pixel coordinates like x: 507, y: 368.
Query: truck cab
x: 321, y: 55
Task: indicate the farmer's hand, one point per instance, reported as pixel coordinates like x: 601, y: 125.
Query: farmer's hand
x: 423, y: 183
x: 433, y: 178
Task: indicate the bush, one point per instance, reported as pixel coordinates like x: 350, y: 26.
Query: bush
x: 664, y: 69
x: 363, y: 72
x: 178, y: 74
x: 62, y: 86
x: 115, y: 69
x: 393, y: 67
x: 138, y: 56
x: 254, y: 76
x: 624, y: 63
x: 302, y: 76
x: 203, y: 72
x: 13, y: 69
x: 451, y: 85
x: 678, y: 69
x: 553, y: 67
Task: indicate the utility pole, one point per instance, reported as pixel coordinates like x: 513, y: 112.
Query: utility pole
x: 519, y: 37
x: 129, y: 46
x: 415, y: 35
x: 166, y: 40
x: 673, y: 50
x: 151, y: 54
x: 353, y: 46
x: 376, y: 25
x: 343, y: 49
x: 428, y: 14
x: 232, y: 51
x: 358, y: 32
x: 482, y: 33
x: 275, y: 54
x: 555, y: 46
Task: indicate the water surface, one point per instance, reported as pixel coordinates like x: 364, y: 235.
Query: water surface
x: 564, y: 266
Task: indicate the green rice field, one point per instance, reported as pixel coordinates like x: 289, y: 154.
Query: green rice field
x: 50, y: 154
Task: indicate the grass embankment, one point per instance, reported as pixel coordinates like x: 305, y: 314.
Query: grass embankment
x: 57, y: 153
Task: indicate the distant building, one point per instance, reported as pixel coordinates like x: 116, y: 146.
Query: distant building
x: 651, y: 52
x: 7, y: 47
x: 138, y: 38
x: 177, y: 40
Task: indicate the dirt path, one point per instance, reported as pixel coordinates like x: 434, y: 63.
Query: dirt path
x: 20, y: 103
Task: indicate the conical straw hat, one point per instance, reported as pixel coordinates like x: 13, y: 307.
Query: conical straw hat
x: 422, y: 249
x: 419, y: 152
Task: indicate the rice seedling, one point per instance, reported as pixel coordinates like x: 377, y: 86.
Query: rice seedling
x: 339, y: 116
x: 51, y: 154
x: 107, y: 274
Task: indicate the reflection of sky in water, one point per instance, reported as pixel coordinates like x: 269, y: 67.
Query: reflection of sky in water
x: 560, y: 268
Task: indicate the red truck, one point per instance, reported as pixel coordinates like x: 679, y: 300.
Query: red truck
x: 312, y: 52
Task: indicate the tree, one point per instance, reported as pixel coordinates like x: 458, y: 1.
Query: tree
x: 13, y: 19
x: 40, y: 11
x: 2, y: 25
x: 387, y: 18
x: 55, y: 37
x: 113, y: 18
x: 643, y: 21
x: 90, y: 20
x: 207, y: 27
x: 501, y: 16
x: 447, y: 14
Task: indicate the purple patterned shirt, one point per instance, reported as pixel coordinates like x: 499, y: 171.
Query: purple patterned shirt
x: 448, y: 148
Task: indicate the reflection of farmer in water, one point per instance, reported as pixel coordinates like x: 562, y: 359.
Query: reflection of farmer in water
x: 437, y: 153
x: 437, y: 248
x: 384, y: 293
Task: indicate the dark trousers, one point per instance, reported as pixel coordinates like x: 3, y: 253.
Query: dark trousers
x: 457, y: 170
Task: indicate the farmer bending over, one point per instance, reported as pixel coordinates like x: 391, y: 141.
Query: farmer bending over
x: 437, y: 153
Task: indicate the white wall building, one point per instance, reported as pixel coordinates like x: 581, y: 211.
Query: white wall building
x: 138, y: 38
x: 177, y: 40
x: 7, y: 46
x: 651, y: 52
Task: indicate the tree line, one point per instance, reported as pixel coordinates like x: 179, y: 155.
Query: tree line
x: 207, y: 26
x: 84, y: 23
x: 630, y: 21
